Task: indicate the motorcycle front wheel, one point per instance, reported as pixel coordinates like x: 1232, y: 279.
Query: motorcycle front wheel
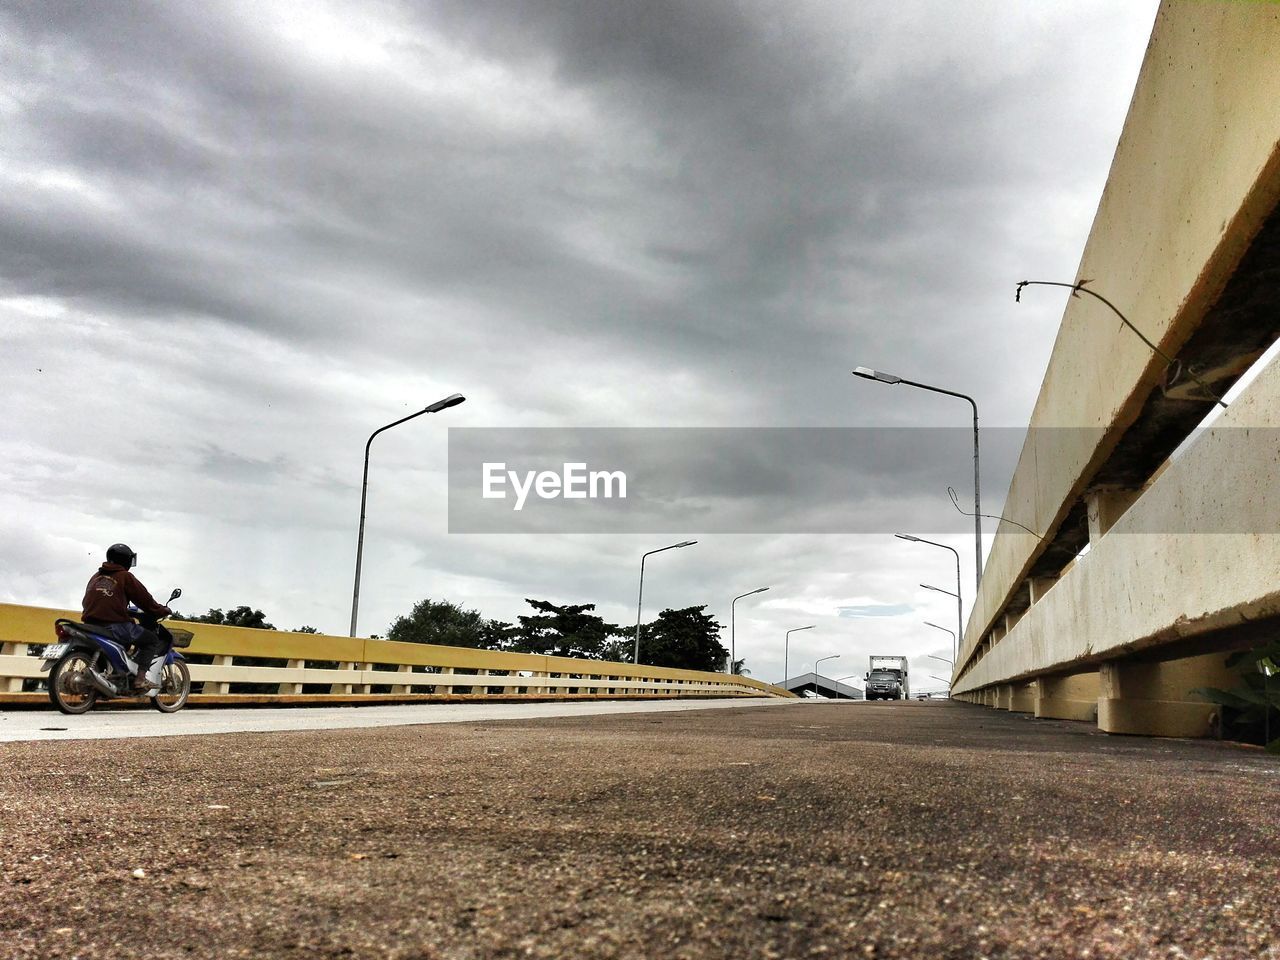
x: 69, y: 685
x: 175, y: 687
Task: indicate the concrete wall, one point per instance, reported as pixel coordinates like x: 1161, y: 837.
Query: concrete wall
x: 1195, y: 554
x: 1195, y: 173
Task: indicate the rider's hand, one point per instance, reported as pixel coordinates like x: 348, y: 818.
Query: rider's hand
x: 167, y: 612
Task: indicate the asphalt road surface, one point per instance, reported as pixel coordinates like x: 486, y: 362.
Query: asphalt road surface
x: 144, y: 721
x: 931, y: 830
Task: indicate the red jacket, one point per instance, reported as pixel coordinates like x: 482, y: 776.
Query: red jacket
x: 109, y: 593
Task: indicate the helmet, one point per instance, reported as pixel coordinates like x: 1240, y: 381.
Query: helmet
x: 121, y: 554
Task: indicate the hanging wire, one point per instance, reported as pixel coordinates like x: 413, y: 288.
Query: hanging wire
x: 955, y: 502
x: 1174, y: 368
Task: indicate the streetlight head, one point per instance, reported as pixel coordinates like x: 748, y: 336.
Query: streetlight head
x: 450, y: 401
x: 907, y: 536
x: 868, y: 374
x: 759, y: 590
x: 687, y: 543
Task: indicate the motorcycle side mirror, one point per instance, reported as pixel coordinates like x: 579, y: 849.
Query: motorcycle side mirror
x: 177, y: 592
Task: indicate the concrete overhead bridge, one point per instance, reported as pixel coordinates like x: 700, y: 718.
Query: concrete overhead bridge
x: 1156, y: 546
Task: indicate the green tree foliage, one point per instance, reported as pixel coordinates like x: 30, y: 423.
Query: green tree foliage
x: 305, y: 630
x: 238, y: 617
x: 447, y: 624
x: 1252, y: 710
x: 571, y: 630
x: 688, y: 638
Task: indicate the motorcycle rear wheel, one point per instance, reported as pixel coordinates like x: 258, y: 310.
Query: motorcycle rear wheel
x: 69, y: 686
x: 175, y: 687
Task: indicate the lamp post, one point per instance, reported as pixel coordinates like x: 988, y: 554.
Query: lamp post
x: 868, y: 374
x: 852, y: 676
x: 640, y: 599
x: 943, y: 659
x: 786, y: 649
x: 959, y: 605
x: 834, y: 656
x: 947, y: 682
x: 945, y: 630
x: 450, y: 401
x: 733, y: 647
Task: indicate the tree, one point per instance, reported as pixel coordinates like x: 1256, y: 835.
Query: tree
x: 305, y: 630
x: 238, y: 617
x: 571, y: 630
x: 447, y: 624
x: 688, y: 638
x: 739, y: 668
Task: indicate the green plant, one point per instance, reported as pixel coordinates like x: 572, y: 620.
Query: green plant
x: 1253, y: 712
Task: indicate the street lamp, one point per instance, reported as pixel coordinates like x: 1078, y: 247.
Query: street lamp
x: 959, y: 607
x: 786, y: 649
x: 868, y: 374
x: 943, y: 659
x: 947, y: 682
x: 640, y: 599
x: 733, y: 654
x: 851, y: 676
x: 954, y: 640
x: 450, y: 401
x: 834, y: 656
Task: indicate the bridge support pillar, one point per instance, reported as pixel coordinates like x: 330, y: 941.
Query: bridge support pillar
x: 1067, y: 698
x: 12, y: 684
x: 292, y: 687
x: 402, y: 687
x: 342, y: 687
x: 1037, y: 587
x: 1003, y: 697
x: 1022, y: 697
x: 1155, y: 700
x: 219, y: 686
x: 1105, y: 506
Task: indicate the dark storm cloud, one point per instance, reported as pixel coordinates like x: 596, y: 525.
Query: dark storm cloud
x: 758, y: 191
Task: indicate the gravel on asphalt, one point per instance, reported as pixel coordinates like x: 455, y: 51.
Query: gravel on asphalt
x: 931, y: 830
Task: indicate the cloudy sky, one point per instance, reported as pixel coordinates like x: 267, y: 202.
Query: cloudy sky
x: 238, y: 237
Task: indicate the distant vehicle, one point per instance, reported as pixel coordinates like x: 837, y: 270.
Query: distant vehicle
x: 887, y: 679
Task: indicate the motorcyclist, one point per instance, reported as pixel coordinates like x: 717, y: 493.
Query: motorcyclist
x: 106, y: 604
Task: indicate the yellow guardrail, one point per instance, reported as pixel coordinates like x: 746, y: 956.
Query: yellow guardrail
x: 321, y: 668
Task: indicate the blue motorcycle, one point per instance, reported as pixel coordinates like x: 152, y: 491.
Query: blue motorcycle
x: 87, y: 665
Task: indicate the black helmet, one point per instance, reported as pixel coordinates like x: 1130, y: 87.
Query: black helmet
x: 121, y: 554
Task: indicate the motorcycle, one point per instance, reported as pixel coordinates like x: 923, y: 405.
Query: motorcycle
x: 87, y: 664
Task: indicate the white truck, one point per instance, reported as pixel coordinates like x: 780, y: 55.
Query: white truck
x: 887, y: 679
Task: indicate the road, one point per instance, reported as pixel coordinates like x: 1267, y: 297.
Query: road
x: 48, y: 724
x: 920, y: 830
